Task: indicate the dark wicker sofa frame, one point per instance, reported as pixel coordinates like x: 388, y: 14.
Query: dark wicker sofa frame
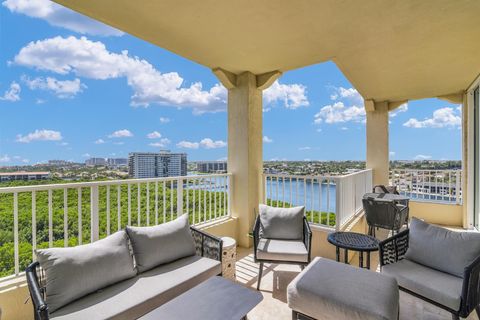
x: 307, y: 240
x: 206, y: 245
x: 394, y: 248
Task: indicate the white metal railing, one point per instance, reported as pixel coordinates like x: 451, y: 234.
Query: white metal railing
x: 329, y: 201
x: 75, y: 213
x: 429, y: 185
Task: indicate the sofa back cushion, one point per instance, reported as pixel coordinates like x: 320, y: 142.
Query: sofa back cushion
x: 74, y: 272
x: 281, y: 223
x: 153, y: 246
x: 442, y: 249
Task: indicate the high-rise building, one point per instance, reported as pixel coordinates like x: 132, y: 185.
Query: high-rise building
x: 117, y: 162
x: 96, y: 162
x: 157, y: 164
x: 211, y: 166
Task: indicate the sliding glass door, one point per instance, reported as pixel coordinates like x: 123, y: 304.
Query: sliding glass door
x: 476, y: 158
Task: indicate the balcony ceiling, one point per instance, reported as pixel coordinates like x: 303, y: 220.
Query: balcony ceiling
x: 389, y: 50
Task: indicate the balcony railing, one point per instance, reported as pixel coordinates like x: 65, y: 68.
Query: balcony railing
x: 444, y: 186
x: 330, y: 201
x: 69, y: 214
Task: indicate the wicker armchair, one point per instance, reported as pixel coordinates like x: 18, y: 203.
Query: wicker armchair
x: 288, y: 256
x: 380, y: 188
x: 206, y: 245
x: 393, y: 250
x: 384, y: 214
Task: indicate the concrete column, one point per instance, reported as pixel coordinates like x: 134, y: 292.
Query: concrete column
x: 245, y: 159
x: 377, y: 140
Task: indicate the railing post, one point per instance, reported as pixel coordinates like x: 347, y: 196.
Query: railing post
x: 230, y: 193
x: 180, y: 196
x: 338, y: 203
x: 458, y: 184
x: 94, y: 221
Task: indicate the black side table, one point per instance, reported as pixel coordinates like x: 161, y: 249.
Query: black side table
x: 353, y: 241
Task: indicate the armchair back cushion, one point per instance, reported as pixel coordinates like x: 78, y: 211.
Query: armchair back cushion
x: 153, y: 246
x: 281, y: 223
x: 442, y: 249
x: 72, y: 273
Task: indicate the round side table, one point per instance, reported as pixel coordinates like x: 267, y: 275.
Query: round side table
x: 229, y: 258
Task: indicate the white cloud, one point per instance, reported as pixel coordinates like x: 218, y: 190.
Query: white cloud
x: 124, y: 133
x: 444, y: 117
x: 40, y: 101
x: 188, y: 145
x: 400, y: 109
x: 5, y: 158
x: 350, y: 94
x: 60, y: 16
x: 63, y: 144
x: 86, y: 155
x: 99, y: 141
x: 85, y: 58
x: 292, y: 96
x: 391, y: 153
x: 222, y: 159
x: 266, y: 139
x: 119, y: 143
x: 40, y: 135
x: 422, y: 157
x: 160, y: 144
x: 61, y: 88
x: 164, y: 120
x: 344, y: 128
x: 154, y: 135
x: 304, y: 148
x: 208, y: 143
x: 338, y: 113
x: 13, y: 93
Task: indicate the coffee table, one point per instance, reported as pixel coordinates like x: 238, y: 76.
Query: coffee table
x: 215, y: 299
x: 353, y: 241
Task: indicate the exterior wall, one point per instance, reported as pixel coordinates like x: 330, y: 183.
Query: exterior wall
x: 377, y: 142
x: 226, y: 228
x: 438, y: 213
x: 13, y: 294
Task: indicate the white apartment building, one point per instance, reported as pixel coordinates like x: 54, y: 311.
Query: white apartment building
x: 157, y: 164
x: 211, y: 166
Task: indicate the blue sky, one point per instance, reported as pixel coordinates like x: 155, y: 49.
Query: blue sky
x: 71, y: 88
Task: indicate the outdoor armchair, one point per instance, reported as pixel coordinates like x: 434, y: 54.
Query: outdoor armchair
x: 281, y: 235
x: 389, y: 215
x: 437, y: 265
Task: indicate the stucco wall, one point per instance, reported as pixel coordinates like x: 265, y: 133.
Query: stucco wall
x: 442, y: 214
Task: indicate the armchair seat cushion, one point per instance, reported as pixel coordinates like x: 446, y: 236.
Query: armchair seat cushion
x: 282, y: 250
x: 443, y: 288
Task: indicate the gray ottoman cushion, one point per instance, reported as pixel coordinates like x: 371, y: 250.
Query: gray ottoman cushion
x: 331, y: 290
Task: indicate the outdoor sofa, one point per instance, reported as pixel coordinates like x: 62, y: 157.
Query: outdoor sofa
x: 124, y: 275
x: 437, y: 265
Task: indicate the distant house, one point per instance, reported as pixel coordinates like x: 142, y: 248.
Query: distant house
x: 24, y: 175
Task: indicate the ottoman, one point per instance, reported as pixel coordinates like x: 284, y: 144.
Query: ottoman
x: 327, y: 289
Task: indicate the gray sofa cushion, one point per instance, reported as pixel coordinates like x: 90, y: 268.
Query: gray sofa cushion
x: 134, y: 297
x: 331, y: 290
x: 282, y: 250
x: 153, y: 246
x: 438, y: 286
x: 281, y: 223
x: 442, y: 249
x: 72, y: 273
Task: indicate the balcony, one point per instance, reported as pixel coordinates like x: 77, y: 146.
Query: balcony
x: 77, y: 213
x: 390, y: 53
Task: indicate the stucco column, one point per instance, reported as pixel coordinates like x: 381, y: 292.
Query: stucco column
x: 377, y: 141
x: 245, y: 160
